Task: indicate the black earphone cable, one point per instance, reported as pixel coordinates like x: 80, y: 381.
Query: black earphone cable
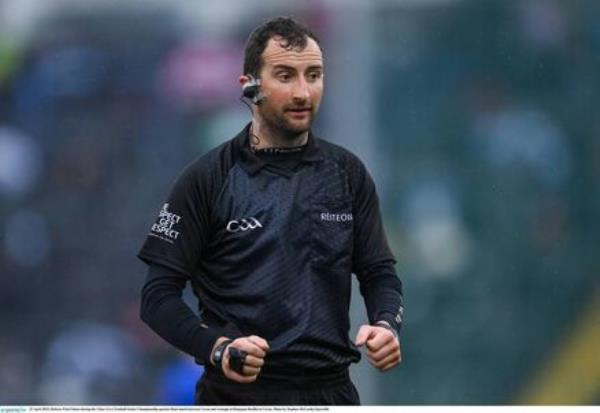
x: 253, y: 138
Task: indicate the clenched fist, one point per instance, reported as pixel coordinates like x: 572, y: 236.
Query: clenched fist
x: 383, y: 347
x: 256, y: 348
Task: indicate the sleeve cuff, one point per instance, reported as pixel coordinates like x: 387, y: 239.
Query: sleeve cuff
x: 395, y: 322
x: 205, y: 346
x: 210, y: 337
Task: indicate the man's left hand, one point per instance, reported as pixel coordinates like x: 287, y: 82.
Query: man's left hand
x: 383, y: 347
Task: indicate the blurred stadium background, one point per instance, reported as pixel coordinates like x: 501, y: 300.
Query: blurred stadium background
x: 478, y: 119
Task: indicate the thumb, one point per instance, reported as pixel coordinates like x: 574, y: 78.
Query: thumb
x: 364, y: 333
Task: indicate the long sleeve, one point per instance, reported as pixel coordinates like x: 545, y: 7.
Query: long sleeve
x: 382, y: 291
x: 164, y: 311
x: 373, y: 262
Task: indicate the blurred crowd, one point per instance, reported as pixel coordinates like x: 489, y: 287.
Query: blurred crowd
x: 490, y: 110
x: 485, y: 122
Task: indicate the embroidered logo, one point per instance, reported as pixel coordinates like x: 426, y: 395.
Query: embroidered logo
x: 164, y: 227
x: 346, y: 217
x: 400, y: 315
x: 244, y: 224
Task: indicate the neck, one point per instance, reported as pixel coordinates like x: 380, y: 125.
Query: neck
x: 262, y: 136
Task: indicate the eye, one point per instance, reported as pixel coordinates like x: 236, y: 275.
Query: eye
x: 314, y: 76
x: 284, y: 76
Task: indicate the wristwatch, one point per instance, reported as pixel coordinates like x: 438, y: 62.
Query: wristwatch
x: 219, y: 352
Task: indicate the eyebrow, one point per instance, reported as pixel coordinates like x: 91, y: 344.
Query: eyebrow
x: 287, y: 67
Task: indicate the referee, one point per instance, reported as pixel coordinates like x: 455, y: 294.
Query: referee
x: 269, y: 228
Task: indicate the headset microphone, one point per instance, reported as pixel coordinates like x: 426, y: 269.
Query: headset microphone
x: 251, y: 90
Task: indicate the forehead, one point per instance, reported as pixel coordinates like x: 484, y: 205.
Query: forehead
x: 274, y: 54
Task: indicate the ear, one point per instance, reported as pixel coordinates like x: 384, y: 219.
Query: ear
x: 243, y: 79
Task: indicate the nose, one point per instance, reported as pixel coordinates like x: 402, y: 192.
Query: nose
x: 300, y: 90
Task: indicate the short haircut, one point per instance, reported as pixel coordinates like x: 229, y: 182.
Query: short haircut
x: 293, y: 35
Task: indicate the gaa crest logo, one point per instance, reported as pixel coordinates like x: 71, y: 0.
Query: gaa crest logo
x: 245, y: 224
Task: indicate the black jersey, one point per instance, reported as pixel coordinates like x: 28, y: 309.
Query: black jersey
x: 270, y: 251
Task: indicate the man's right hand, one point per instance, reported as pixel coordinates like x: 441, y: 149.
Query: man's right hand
x: 256, y: 347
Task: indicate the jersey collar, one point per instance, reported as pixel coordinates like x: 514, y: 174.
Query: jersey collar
x: 253, y: 163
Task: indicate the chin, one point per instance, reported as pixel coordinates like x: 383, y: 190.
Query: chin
x: 289, y: 129
x: 294, y: 132
x: 298, y: 128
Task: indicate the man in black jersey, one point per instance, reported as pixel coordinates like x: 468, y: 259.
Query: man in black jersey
x: 269, y: 228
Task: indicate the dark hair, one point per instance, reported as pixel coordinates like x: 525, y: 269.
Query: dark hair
x: 293, y: 35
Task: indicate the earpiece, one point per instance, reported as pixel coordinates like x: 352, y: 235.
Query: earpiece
x: 251, y: 90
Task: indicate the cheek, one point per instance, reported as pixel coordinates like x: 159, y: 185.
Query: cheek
x: 276, y: 97
x: 316, y: 89
x: 317, y: 93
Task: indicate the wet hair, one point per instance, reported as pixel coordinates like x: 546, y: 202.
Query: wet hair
x: 293, y: 36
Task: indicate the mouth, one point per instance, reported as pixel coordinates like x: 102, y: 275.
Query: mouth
x: 299, y: 112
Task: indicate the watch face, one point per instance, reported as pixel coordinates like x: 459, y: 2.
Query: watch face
x: 219, y: 351
x: 218, y: 354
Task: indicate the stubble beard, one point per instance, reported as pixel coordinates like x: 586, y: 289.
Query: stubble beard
x: 282, y: 127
